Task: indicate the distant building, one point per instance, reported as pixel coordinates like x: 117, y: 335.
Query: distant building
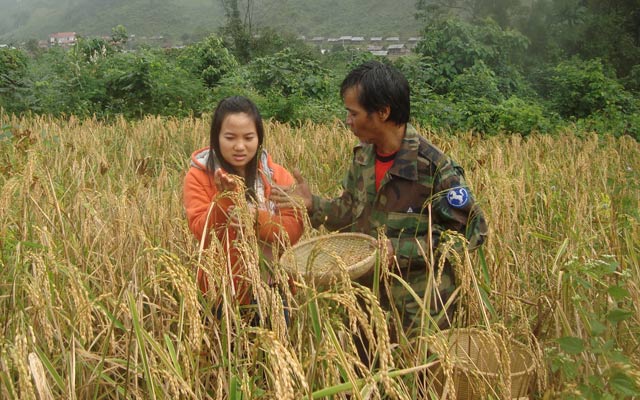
x: 376, y: 39
x: 62, y: 39
x: 413, y: 41
x: 397, y: 49
x: 382, y: 53
x: 357, y: 39
x: 393, y: 39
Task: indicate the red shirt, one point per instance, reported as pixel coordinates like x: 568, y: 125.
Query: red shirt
x: 383, y: 163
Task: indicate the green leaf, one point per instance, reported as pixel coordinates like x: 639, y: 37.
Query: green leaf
x: 623, y: 384
x: 618, y: 314
x: 597, y: 327
x: 571, y: 344
x: 618, y: 293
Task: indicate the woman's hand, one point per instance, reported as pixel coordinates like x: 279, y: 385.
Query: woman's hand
x: 224, y: 181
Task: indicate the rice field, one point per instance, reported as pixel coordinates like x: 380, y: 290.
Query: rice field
x: 99, y: 301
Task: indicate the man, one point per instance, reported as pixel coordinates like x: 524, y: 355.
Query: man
x: 399, y: 182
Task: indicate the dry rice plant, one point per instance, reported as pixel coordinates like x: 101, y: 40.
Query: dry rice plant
x: 98, y: 290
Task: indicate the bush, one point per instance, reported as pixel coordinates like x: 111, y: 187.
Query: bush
x: 476, y: 82
x: 611, y: 121
x: 209, y: 60
x: 13, y: 71
x: 287, y: 73
x: 521, y: 117
x: 147, y: 83
x: 579, y: 88
x: 451, y: 47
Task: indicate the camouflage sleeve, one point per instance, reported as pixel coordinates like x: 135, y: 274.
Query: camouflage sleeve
x: 335, y: 213
x: 455, y: 208
x: 407, y: 250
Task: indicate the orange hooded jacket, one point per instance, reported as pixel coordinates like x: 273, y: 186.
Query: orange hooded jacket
x: 200, y: 192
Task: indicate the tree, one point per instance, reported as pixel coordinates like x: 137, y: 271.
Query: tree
x: 451, y: 47
x: 501, y: 11
x: 236, y: 32
x: 119, y: 35
x: 209, y: 60
x: 13, y: 70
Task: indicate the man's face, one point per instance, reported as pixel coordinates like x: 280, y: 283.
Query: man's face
x: 364, y: 126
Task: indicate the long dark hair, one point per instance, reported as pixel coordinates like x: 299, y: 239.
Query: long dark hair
x: 235, y: 105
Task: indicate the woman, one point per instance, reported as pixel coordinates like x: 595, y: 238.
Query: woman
x: 212, y: 187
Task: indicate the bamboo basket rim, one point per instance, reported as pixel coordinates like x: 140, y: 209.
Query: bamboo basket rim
x: 355, y: 251
x: 481, y: 335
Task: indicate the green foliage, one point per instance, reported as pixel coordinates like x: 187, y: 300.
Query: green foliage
x: 632, y: 81
x: 579, y: 88
x: 288, y: 73
x: 516, y: 115
x: 119, y: 35
x: 91, y: 49
x: 603, y: 341
x: 478, y: 81
x: 13, y: 71
x: 613, y: 121
x: 93, y: 79
x: 148, y: 83
x: 463, y: 76
x: 209, y: 60
x: 453, y: 46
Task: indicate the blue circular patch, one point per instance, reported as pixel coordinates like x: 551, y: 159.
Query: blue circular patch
x: 458, y: 197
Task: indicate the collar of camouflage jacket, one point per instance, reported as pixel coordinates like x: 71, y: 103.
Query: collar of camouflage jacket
x: 405, y: 164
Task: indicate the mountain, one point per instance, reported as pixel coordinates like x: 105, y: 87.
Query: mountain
x: 35, y: 19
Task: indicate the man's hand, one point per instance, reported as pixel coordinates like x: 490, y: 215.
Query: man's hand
x: 294, y: 195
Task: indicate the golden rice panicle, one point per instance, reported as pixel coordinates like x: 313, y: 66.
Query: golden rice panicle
x: 288, y: 377
x: 182, y: 281
x: 40, y: 289
x: 19, y: 353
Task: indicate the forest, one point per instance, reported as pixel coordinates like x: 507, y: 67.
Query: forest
x: 486, y: 67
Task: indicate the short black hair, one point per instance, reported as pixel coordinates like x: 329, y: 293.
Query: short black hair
x: 380, y: 85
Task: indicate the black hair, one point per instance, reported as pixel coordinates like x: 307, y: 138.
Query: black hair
x: 380, y: 85
x: 235, y: 105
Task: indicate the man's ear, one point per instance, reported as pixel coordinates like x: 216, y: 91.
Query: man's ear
x: 384, y: 113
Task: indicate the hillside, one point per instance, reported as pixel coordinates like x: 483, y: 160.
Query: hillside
x: 36, y: 19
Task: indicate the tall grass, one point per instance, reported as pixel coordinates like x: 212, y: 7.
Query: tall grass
x: 98, y: 290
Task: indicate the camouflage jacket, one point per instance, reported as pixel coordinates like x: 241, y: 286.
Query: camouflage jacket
x: 421, y: 175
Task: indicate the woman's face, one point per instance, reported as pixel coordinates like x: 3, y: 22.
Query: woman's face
x: 238, y: 141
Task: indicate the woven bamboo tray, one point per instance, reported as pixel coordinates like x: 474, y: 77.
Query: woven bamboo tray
x: 483, y: 363
x: 321, y: 259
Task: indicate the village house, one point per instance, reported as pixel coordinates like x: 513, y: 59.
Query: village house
x: 62, y: 39
x: 397, y: 49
